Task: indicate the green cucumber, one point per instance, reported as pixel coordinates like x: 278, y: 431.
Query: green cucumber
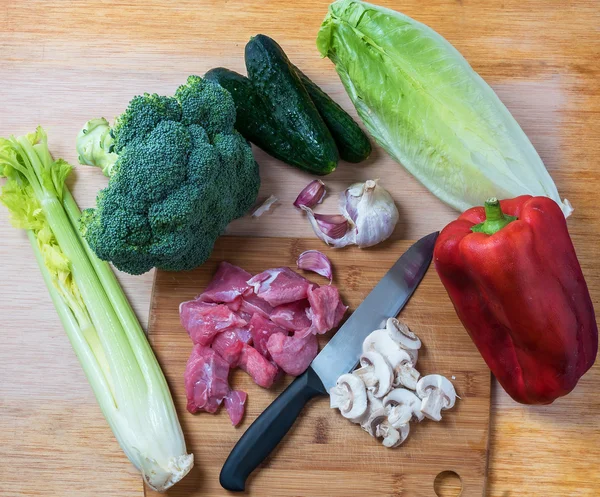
x: 253, y: 120
x: 287, y: 100
x: 352, y: 143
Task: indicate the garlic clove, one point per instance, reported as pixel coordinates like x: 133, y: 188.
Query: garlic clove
x: 313, y: 260
x: 332, y: 229
x: 311, y: 195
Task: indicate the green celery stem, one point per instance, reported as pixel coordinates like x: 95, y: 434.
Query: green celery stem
x: 495, y: 219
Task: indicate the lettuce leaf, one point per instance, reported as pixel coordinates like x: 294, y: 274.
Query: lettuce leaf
x: 426, y: 106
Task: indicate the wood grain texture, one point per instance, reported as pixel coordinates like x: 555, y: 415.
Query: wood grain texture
x: 65, y: 62
x: 324, y: 450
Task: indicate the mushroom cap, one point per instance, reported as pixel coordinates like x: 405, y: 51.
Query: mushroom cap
x: 401, y: 333
x: 394, y: 441
x: 376, y: 373
x: 373, y: 405
x: 356, y: 406
x: 402, y: 405
x: 382, y: 342
x: 379, y: 427
x: 376, y: 418
x: 431, y: 382
x: 393, y: 350
x: 414, y: 356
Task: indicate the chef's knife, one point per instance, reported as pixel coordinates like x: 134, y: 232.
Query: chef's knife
x: 338, y: 357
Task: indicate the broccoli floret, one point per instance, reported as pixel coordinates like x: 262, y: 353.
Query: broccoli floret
x: 179, y: 174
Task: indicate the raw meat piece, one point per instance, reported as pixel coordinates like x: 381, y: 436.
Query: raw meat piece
x: 246, y: 316
x: 244, y: 334
x: 280, y: 286
x: 254, y: 363
x: 235, y: 304
x: 228, y: 283
x: 203, y: 320
x: 205, y: 380
x: 326, y: 308
x: 293, y: 354
x: 235, y: 404
x: 228, y: 345
x: 252, y: 304
x: 261, y: 329
x: 340, y: 312
x: 292, y: 316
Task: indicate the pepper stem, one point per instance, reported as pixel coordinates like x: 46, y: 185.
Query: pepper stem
x: 495, y: 219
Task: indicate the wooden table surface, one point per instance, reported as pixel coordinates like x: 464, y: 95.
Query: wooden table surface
x: 66, y: 62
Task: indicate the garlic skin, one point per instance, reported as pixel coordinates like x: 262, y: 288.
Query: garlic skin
x: 372, y: 211
x: 265, y: 206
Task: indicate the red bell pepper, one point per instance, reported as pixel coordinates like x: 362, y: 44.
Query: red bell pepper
x: 511, y: 272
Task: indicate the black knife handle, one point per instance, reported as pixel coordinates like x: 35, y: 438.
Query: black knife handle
x: 268, y: 429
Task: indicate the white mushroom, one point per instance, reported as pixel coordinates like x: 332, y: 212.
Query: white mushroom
x: 380, y: 427
x: 400, y: 332
x: 376, y: 373
x: 398, y: 358
x: 350, y: 397
x: 373, y: 404
x: 437, y: 393
x: 404, y: 372
x: 402, y: 406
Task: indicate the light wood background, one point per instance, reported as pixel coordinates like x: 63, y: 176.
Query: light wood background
x: 322, y: 443
x: 66, y: 62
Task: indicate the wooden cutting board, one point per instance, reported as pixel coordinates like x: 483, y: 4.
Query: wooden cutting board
x: 324, y: 454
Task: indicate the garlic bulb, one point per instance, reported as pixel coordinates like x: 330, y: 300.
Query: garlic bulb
x: 370, y: 212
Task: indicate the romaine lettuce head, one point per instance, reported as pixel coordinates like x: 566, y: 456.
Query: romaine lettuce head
x: 426, y: 106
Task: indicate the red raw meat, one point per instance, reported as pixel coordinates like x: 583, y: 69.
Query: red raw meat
x: 244, y: 334
x: 261, y: 329
x: 292, y: 316
x: 228, y: 283
x: 280, y: 286
x: 228, y: 345
x: 260, y: 369
x: 235, y: 405
x: 251, y: 304
x: 205, y: 380
x: 203, y: 320
x: 326, y: 308
x: 235, y: 305
x: 293, y: 354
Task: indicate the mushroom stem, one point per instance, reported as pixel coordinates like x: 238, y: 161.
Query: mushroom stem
x: 406, y: 375
x: 432, y: 405
x: 437, y: 393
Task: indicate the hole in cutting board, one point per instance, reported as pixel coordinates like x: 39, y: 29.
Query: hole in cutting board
x: 447, y: 484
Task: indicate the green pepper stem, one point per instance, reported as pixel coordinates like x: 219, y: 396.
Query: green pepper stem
x: 495, y: 219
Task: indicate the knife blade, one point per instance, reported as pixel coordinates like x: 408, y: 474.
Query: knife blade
x: 339, y: 356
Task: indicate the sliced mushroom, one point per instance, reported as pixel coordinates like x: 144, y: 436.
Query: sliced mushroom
x: 402, y: 406
x: 437, y: 393
x: 400, y: 332
x: 398, y: 358
x: 380, y: 427
x: 350, y: 397
x: 373, y: 404
x: 375, y: 372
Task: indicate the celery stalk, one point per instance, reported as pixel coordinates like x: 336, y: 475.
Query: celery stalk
x: 101, y: 325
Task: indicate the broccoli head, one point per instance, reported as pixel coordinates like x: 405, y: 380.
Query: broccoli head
x: 179, y: 174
